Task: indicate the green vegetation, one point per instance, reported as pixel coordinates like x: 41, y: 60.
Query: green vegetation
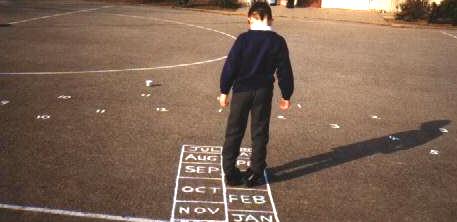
x: 413, y: 10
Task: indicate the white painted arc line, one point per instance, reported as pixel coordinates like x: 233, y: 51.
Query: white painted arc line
x: 132, y: 69
x: 56, y: 15
x: 224, y: 191
x: 271, y: 196
x: 172, y: 218
x: 176, y: 22
x: 115, y: 70
x: 76, y: 213
x: 449, y: 34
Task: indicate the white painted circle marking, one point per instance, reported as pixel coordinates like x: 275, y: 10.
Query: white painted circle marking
x: 134, y: 69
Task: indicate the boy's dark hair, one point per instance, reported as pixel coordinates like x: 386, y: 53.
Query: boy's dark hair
x: 260, y: 10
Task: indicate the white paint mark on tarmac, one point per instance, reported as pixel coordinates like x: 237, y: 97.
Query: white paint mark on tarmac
x: 44, y: 116
x: 199, y: 201
x: 201, y: 178
x: 443, y: 130
x: 375, y: 117
x: 135, y: 69
x: 177, y: 22
x: 100, y: 111
x: 271, y: 196
x: 449, y: 34
x: 176, y: 185
x: 149, y: 82
x: 77, y: 213
x: 64, y: 97
x: 394, y: 138
x: 4, y: 102
x: 161, y: 109
x: 335, y: 126
x: 254, y: 211
x: 224, y: 191
x: 434, y: 152
x: 281, y: 117
x: 57, y: 15
x: 114, y: 70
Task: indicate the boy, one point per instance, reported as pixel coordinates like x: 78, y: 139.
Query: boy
x: 254, y: 58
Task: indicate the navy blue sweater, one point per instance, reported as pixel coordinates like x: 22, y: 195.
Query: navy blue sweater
x: 254, y: 58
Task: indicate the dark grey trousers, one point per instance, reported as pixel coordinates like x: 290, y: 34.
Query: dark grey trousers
x: 258, y: 103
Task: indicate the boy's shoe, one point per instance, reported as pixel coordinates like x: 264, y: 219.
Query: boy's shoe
x: 253, y: 179
x: 233, y: 178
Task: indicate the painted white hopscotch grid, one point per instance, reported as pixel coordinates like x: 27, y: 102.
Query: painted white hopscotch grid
x: 201, y: 195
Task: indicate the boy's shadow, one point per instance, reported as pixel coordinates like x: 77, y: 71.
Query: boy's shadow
x: 408, y: 139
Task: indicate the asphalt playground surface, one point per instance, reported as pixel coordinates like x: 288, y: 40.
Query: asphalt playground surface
x: 371, y: 135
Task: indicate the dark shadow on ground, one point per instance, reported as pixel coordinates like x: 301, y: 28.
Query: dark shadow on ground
x: 408, y: 139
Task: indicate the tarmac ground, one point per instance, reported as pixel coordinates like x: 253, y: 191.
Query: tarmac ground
x: 370, y: 137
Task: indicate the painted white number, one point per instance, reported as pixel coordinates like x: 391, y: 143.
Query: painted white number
x: 43, y: 117
x: 161, y: 109
x: 101, y: 110
x: 145, y: 95
x: 64, y: 97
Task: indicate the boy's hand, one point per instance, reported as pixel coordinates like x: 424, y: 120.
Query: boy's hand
x: 284, y: 104
x: 223, y: 101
